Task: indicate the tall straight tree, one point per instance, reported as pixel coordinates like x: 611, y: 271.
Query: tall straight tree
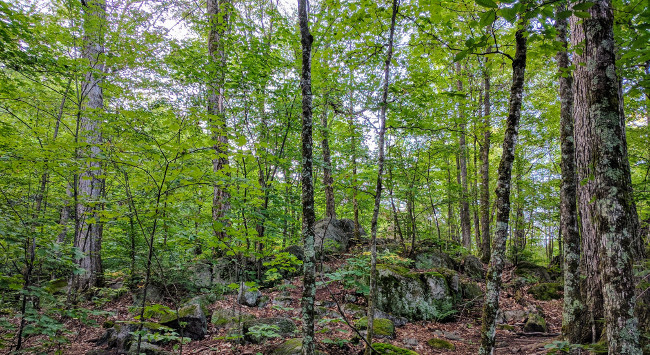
x: 491, y: 304
x: 372, y: 297
x: 485, y: 169
x: 308, y: 213
x: 610, y: 227
x: 217, y: 11
x: 573, y: 306
x: 328, y: 180
x: 465, y: 223
x: 88, y: 228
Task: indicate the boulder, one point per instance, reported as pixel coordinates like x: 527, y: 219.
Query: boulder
x: 417, y: 296
x: 535, y: 323
x: 471, y: 290
x: 119, y: 337
x: 440, y: 344
x: 201, y: 275
x: 247, y: 296
x: 397, y: 321
x: 381, y: 327
x: 282, y: 327
x: 154, y: 295
x: 472, y: 267
x: 228, y: 318
x: 546, y: 291
x: 291, y: 347
x: 296, y: 251
x: 147, y: 349
x: 530, y: 270
x: 333, y: 235
x: 389, y: 349
x: 434, y: 259
x: 190, y: 321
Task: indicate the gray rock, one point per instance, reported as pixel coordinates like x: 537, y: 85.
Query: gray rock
x: 472, y: 267
x: 247, y: 297
x: 291, y: 347
x: 296, y: 251
x: 434, y: 259
x: 282, y: 301
x: 201, y: 275
x: 147, y: 348
x: 410, y: 342
x: 471, y: 290
x: 333, y: 235
x: 535, y: 323
x: 190, y: 321
x: 154, y: 295
x: 397, y: 321
x: 283, y: 327
x: 229, y: 318
x: 118, y: 337
x: 530, y: 270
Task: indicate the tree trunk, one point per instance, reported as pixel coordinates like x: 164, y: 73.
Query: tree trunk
x: 573, y: 308
x: 609, y: 219
x: 485, y: 171
x: 491, y: 304
x: 217, y: 11
x: 465, y: 223
x: 88, y: 234
x: 308, y: 213
x: 328, y: 180
x: 372, y: 297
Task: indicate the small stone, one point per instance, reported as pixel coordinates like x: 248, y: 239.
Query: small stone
x: 410, y: 342
x: 440, y: 344
x: 247, y: 297
x: 147, y: 349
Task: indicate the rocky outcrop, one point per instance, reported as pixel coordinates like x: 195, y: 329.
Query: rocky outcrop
x: 417, y: 296
x: 546, y: 291
x: 472, y: 267
x: 532, y: 271
x: 434, y: 259
x: 333, y: 235
x: 190, y: 321
x: 258, y: 330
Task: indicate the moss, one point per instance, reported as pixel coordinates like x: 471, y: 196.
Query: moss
x: 186, y: 311
x: 440, y: 344
x: 389, y: 349
x: 381, y: 327
x: 546, y: 291
x: 399, y: 270
x: 535, y: 323
x: 507, y: 327
x: 108, y: 324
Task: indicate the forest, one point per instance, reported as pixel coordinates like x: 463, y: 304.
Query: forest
x: 324, y: 177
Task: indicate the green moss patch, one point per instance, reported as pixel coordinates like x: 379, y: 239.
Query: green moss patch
x: 381, y: 327
x: 546, y: 291
x: 389, y: 349
x: 440, y: 344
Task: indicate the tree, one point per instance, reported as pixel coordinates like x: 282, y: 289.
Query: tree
x: 573, y: 307
x: 495, y: 268
x: 308, y: 215
x: 610, y: 227
x: 465, y: 223
x: 90, y: 183
x: 485, y: 169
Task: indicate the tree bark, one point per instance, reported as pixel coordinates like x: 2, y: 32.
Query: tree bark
x: 573, y: 308
x: 372, y: 297
x: 491, y: 304
x: 217, y: 11
x: 609, y: 219
x: 485, y: 171
x: 308, y: 213
x: 328, y: 180
x: 465, y: 222
x: 88, y: 234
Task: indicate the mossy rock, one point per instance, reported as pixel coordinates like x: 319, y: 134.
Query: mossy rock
x: 530, y: 271
x: 440, y: 344
x: 147, y: 349
x: 291, y: 347
x: 227, y: 318
x: 190, y: 319
x: 507, y: 327
x: 471, y: 290
x: 417, y: 296
x: 283, y: 327
x: 381, y: 327
x: 535, y: 323
x: 389, y: 349
x: 546, y: 291
x: 56, y: 286
x: 434, y: 259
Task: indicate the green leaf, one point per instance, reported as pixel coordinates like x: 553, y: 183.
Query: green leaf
x: 488, y: 18
x: 510, y: 14
x: 460, y: 56
x: 583, y: 6
x: 487, y: 3
x: 564, y: 14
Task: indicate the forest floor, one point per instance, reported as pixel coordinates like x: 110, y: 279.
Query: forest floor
x: 336, y: 337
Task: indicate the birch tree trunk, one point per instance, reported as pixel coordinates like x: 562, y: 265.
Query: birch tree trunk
x: 308, y: 213
x: 491, y: 304
x: 88, y: 231
x: 485, y: 171
x: 609, y: 219
x: 372, y: 297
x: 573, y: 308
x: 217, y: 11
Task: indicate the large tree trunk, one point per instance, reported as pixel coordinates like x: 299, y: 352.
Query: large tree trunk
x: 217, y: 11
x: 609, y: 219
x: 308, y: 213
x: 88, y: 231
x: 491, y: 304
x: 485, y: 171
x: 372, y: 297
x: 328, y: 180
x: 573, y: 308
x: 465, y: 223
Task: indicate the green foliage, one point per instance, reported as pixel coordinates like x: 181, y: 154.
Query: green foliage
x: 354, y: 275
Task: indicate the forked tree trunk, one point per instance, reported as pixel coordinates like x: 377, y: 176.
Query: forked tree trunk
x: 217, y: 11
x: 88, y: 231
x: 485, y: 171
x: 609, y: 219
x: 491, y: 304
x: 308, y: 213
x: 372, y: 297
x: 573, y: 308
